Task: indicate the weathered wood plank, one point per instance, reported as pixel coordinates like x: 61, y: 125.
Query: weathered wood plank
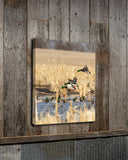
x: 79, y: 20
x: 38, y: 10
x: 127, y: 64
x: 59, y: 30
x: 15, y: 89
x: 63, y: 150
x: 126, y: 145
x: 60, y: 137
x: 99, y: 11
x: 1, y: 66
x: 59, y: 19
x: 100, y: 148
x: 99, y: 36
x: 36, y: 28
x: 10, y: 152
x: 79, y: 32
x: 117, y: 84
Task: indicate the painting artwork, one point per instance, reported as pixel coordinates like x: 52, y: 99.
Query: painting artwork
x: 63, y: 83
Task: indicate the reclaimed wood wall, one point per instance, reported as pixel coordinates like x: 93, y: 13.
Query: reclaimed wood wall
x: 100, y: 22
x: 114, y: 148
x: 1, y: 67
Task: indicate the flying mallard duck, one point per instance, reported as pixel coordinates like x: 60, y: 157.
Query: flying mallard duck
x: 84, y: 69
x: 70, y: 87
x: 72, y: 81
x: 71, y: 84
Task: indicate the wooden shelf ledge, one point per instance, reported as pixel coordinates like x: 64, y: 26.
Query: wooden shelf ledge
x: 60, y: 137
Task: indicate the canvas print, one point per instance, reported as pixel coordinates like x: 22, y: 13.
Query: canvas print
x: 63, y: 86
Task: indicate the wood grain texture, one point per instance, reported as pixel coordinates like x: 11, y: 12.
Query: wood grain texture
x: 79, y: 32
x: 126, y: 145
x: 15, y: 89
x: 61, y: 137
x: 38, y: 10
x: 117, y: 84
x: 59, y: 30
x: 63, y: 150
x: 11, y: 152
x: 127, y: 64
x: 36, y: 28
x: 79, y: 20
x: 59, y: 19
x: 99, y: 35
x: 112, y: 148
x: 63, y: 20
x: 99, y: 11
x: 1, y: 66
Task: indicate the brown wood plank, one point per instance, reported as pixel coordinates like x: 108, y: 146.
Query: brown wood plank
x: 61, y: 137
x: 99, y: 36
x: 37, y: 9
x: 1, y: 66
x: 117, y: 84
x: 59, y: 30
x: 79, y: 32
x: 15, y: 89
x: 36, y: 28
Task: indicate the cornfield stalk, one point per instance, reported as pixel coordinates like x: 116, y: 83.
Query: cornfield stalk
x: 56, y: 109
x: 36, y: 113
x: 65, y: 94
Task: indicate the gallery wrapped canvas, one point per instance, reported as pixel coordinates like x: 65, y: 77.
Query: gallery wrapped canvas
x: 63, y: 82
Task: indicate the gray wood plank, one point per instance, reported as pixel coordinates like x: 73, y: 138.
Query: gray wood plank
x: 59, y: 19
x: 126, y: 145
x: 36, y: 28
x: 127, y: 64
x: 79, y: 32
x: 99, y: 11
x: 117, y: 84
x: 1, y: 66
x: 38, y: 9
x: 101, y: 148
x: 48, y: 151
x: 59, y: 30
x: 11, y: 152
x: 99, y: 35
x: 79, y: 20
x: 15, y: 89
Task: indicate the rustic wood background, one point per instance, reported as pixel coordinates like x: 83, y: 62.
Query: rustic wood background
x: 114, y: 148
x: 100, y: 22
